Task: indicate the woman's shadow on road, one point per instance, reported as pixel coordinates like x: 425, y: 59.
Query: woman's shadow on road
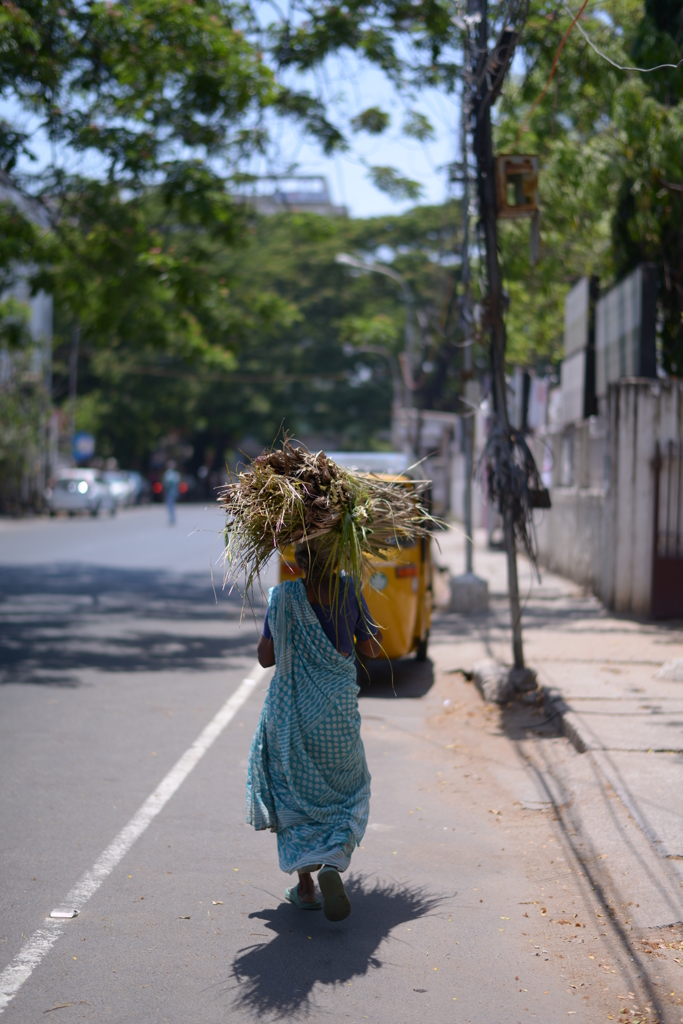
x: 276, y: 978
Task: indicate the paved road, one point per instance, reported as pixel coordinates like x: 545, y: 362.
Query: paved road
x: 116, y: 654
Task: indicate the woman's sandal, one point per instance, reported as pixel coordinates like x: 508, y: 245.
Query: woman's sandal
x: 293, y: 896
x: 336, y: 903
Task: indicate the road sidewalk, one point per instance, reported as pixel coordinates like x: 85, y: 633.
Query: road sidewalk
x: 615, y: 686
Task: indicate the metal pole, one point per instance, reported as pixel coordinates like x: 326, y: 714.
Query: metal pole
x: 466, y: 319
x: 47, y: 459
x: 73, y: 380
x: 483, y: 146
x: 409, y: 342
x: 469, y: 538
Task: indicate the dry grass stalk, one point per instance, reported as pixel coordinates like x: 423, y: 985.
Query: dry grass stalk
x: 289, y: 495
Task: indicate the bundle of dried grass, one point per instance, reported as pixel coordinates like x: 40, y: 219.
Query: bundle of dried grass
x: 289, y: 495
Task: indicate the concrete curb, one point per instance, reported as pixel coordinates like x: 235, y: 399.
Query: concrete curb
x: 570, y: 723
x: 499, y: 684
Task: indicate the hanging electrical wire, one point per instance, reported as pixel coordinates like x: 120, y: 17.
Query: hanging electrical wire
x: 575, y: 22
x: 619, y: 67
x: 524, y: 125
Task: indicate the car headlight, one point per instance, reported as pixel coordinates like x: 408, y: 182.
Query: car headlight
x: 82, y: 487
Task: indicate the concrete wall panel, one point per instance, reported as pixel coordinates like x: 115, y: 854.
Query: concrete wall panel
x: 570, y: 535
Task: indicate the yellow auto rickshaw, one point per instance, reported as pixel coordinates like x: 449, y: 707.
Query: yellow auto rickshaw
x: 399, y: 591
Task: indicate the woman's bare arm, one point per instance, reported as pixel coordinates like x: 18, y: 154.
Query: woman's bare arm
x: 266, y: 651
x: 371, y: 648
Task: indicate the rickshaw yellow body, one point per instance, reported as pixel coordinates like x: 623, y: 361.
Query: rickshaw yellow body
x: 398, y: 594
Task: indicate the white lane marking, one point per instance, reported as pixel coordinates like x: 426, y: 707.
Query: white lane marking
x: 42, y: 940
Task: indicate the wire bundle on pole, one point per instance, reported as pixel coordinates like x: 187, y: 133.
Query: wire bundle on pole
x: 513, y: 482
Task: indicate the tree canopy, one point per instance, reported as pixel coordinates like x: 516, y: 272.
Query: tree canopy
x: 610, y: 143
x: 297, y: 328
x: 128, y: 130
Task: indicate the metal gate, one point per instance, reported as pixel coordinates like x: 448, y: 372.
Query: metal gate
x: 667, y: 561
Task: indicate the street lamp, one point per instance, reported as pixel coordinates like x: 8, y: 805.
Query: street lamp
x: 408, y: 298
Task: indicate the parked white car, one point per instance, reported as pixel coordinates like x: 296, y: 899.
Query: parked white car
x: 122, y: 488
x: 80, y: 490
x: 141, y: 489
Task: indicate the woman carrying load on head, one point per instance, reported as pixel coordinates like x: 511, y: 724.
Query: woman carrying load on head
x: 308, y: 779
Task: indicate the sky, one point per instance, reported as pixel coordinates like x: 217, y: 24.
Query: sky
x: 352, y: 87
x: 348, y: 84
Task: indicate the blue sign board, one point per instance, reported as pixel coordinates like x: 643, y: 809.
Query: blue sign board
x: 83, y: 446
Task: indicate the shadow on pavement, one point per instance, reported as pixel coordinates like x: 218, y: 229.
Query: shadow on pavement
x: 521, y: 721
x: 405, y: 678
x: 135, y: 590
x: 543, y: 611
x: 61, y: 619
x: 277, y: 978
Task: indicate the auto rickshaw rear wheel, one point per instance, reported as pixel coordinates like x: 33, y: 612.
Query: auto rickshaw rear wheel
x: 421, y: 651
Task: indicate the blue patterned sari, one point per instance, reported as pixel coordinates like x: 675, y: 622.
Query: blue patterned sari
x: 308, y: 779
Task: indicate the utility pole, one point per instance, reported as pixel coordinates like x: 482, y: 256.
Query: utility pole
x: 487, y: 82
x: 73, y: 380
x: 46, y: 416
x: 466, y: 314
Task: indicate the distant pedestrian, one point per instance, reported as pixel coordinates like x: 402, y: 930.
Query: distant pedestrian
x: 171, y: 482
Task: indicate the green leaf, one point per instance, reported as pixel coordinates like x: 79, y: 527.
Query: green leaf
x: 312, y: 114
x: 388, y: 180
x: 373, y: 121
x: 417, y: 126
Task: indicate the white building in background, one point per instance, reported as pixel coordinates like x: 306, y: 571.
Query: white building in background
x: 292, y: 193
x: 39, y: 307
x: 39, y: 313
